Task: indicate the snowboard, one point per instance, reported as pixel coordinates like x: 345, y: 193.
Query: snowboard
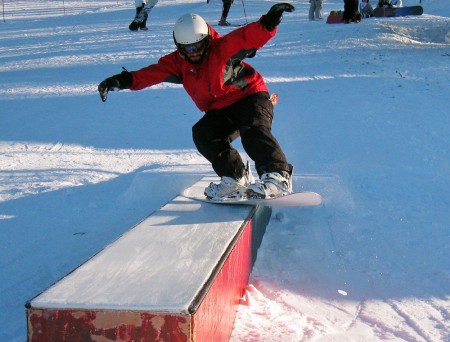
x: 296, y: 199
x: 397, y: 11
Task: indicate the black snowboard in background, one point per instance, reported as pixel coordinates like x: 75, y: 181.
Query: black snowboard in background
x: 397, y: 11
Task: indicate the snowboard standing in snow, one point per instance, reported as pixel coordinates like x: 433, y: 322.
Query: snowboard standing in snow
x: 397, y: 11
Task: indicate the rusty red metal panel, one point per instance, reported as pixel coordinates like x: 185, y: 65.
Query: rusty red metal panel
x: 211, y: 317
x: 82, y: 326
x: 214, y: 319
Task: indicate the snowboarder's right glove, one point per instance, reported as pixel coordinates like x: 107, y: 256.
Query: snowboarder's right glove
x: 273, y: 18
x: 116, y: 82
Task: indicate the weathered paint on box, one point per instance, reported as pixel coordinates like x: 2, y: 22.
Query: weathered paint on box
x: 212, y: 319
x: 81, y: 326
x: 204, y: 256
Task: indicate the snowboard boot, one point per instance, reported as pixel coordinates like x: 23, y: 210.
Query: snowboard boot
x: 272, y: 184
x: 228, y: 188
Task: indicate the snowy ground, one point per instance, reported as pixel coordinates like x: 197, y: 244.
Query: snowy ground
x: 363, y: 116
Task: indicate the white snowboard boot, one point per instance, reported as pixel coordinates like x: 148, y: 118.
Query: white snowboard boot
x: 271, y: 184
x: 228, y: 188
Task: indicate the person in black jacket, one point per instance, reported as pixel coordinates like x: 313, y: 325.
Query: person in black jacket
x: 351, y: 13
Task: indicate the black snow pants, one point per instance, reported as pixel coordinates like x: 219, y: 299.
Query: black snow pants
x: 350, y: 10
x: 251, y: 118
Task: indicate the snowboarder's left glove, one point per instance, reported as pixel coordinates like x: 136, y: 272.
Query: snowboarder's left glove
x: 273, y: 18
x: 116, y: 82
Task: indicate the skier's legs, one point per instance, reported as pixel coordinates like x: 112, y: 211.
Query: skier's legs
x: 312, y: 9
x: 134, y: 26
x: 225, y: 9
x: 143, y: 25
x: 318, y: 10
x: 149, y: 4
x: 212, y: 136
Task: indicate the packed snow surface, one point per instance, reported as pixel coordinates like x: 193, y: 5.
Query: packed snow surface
x: 363, y: 115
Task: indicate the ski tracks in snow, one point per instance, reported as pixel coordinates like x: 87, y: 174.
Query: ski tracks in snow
x: 294, y: 319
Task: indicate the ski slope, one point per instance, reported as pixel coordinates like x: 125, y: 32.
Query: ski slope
x: 363, y: 116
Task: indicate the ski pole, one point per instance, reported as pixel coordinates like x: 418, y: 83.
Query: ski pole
x: 245, y: 14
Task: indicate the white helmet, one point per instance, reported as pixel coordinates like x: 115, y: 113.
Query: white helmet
x: 190, y: 28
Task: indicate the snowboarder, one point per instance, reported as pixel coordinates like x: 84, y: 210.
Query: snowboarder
x: 233, y: 96
x: 143, y: 8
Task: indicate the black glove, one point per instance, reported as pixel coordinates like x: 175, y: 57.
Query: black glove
x: 273, y: 18
x: 116, y: 82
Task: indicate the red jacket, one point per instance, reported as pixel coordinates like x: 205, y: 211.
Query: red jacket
x: 221, y: 78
